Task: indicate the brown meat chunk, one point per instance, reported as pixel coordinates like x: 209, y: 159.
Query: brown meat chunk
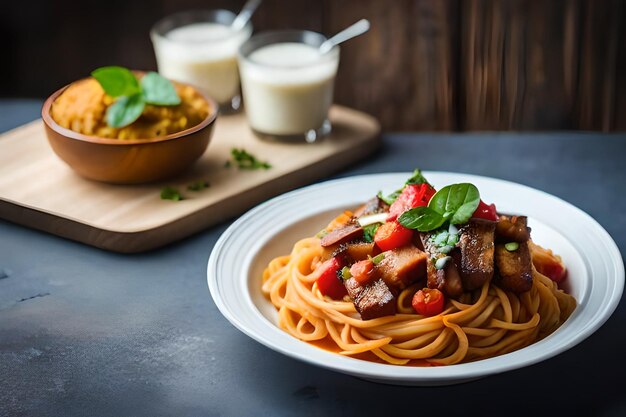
x: 514, y: 268
x: 403, y: 266
x: 477, y: 248
x: 448, y: 279
x: 372, y: 206
x: 373, y: 300
x: 512, y: 229
x: 452, y: 286
x: 360, y: 251
x: 351, y: 252
x: 342, y: 234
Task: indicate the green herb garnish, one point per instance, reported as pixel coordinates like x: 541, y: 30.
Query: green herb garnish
x: 378, y: 258
x: 345, y: 273
x: 244, y: 160
x: 454, y: 203
x: 169, y: 193
x: 415, y: 179
x: 457, y: 200
x: 389, y: 199
x: 198, y: 185
x: 369, y: 231
x: 511, y: 246
x: 441, y: 262
x: 131, y: 95
x: 321, y: 233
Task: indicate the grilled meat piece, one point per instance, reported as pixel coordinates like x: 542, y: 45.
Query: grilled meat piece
x: 373, y: 300
x: 359, y: 251
x: 402, y: 266
x: 372, y: 206
x: 512, y: 229
x: 477, y: 249
x: 447, y: 279
x: 514, y: 268
x: 351, y: 252
x: 342, y: 234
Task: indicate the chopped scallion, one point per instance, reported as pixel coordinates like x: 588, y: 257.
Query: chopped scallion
x: 453, y: 240
x: 321, y: 233
x: 372, y: 219
x: 446, y: 249
x: 511, y: 246
x: 345, y: 273
x: 441, y: 262
x: 378, y: 258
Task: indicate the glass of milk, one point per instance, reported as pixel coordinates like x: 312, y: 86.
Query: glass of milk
x: 288, y: 84
x: 200, y: 48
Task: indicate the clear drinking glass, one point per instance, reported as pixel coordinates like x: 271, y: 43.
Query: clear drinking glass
x: 288, y: 85
x: 200, y: 48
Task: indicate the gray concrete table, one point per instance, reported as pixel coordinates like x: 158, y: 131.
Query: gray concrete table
x: 85, y: 332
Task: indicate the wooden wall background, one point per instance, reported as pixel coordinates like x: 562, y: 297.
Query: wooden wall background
x: 425, y: 64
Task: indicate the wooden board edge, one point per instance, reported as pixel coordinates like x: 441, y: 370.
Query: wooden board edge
x: 141, y: 241
x: 25, y: 126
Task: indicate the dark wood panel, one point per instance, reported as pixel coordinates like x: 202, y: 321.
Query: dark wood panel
x: 425, y: 65
x: 403, y: 70
x: 602, y: 49
x: 518, y: 64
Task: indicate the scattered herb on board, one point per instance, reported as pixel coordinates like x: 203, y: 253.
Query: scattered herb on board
x: 244, y: 160
x: 198, y: 185
x: 454, y: 203
x: 170, y: 193
x: 131, y: 94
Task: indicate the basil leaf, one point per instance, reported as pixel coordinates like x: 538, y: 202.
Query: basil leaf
x: 117, y: 81
x: 423, y: 219
x: 464, y: 213
x: 417, y: 178
x: 369, y: 231
x: 456, y: 201
x: 158, y: 90
x: 125, y: 110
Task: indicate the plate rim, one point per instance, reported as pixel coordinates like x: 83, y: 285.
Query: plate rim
x: 429, y: 375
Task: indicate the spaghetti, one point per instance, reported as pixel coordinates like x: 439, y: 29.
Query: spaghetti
x: 479, y: 324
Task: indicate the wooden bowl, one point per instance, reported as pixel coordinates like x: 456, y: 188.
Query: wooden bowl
x: 134, y: 161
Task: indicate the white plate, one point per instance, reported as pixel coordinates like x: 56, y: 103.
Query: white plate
x: 596, y: 270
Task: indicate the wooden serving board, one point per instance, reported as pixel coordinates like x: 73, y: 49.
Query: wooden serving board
x: 38, y: 190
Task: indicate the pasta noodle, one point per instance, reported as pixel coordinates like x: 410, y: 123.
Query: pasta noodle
x: 485, y: 323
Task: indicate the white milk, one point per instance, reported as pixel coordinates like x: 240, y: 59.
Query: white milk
x: 288, y: 87
x: 203, y: 54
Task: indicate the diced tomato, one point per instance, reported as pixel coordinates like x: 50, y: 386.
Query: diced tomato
x: 428, y: 302
x: 364, y: 271
x: 392, y: 235
x: 487, y: 212
x: 553, y: 270
x: 328, y: 281
x: 413, y: 195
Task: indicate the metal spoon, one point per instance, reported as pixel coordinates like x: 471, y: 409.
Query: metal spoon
x: 245, y: 14
x: 350, y: 32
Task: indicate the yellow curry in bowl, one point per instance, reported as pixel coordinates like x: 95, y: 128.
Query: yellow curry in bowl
x: 83, y: 105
